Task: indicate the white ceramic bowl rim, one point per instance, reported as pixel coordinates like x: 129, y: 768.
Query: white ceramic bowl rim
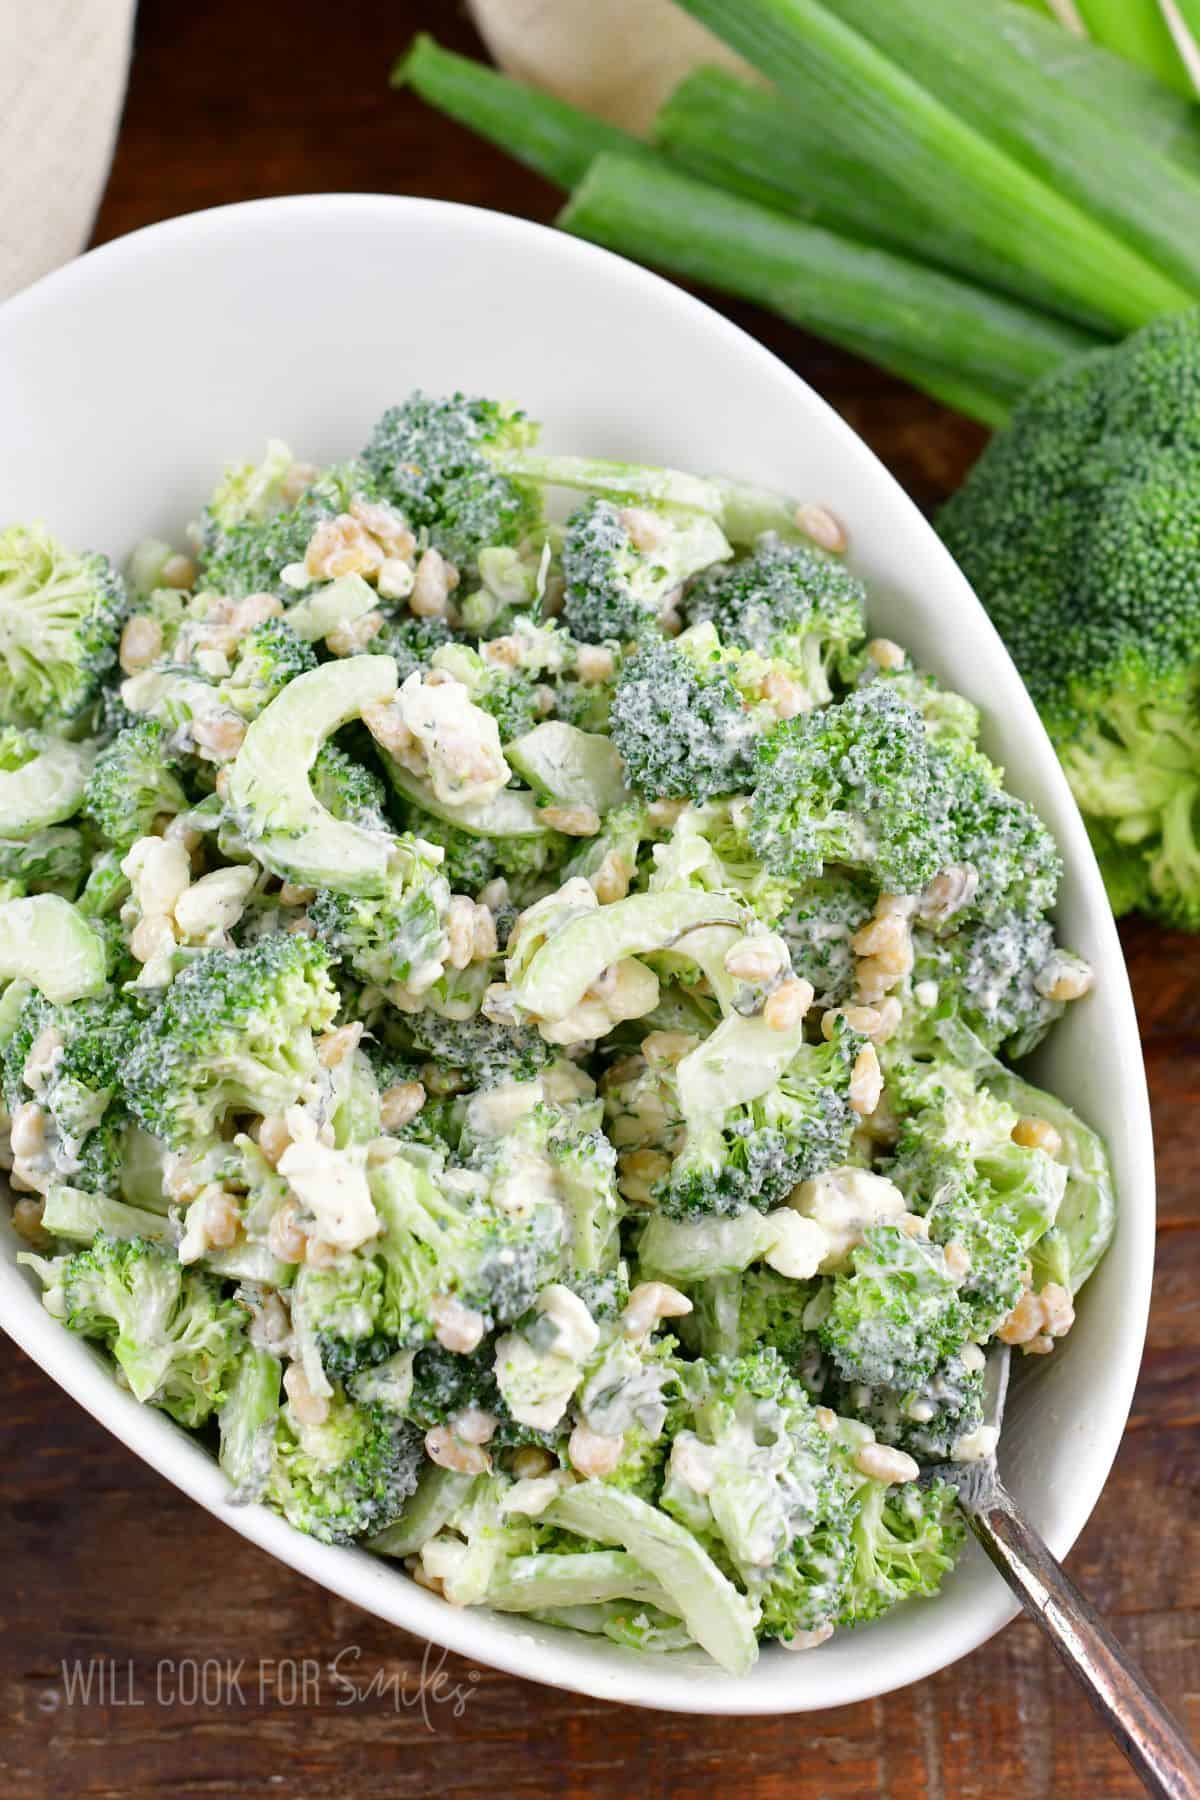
x: 891, y: 545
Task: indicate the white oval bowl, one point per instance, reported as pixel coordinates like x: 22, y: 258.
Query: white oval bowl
x: 129, y: 378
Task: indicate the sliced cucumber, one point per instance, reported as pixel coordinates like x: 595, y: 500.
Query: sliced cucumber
x: 48, y: 942
x: 573, y: 767
x: 45, y: 791
x: 512, y: 813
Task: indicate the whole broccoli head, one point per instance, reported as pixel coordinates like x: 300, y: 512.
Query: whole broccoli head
x: 1080, y: 531
x: 429, y: 457
x: 133, y: 782
x: 60, y: 622
x: 789, y: 603
x: 678, y: 720
x: 172, y: 1332
x: 246, y: 546
x: 622, y: 566
x: 267, y: 659
x: 347, y: 1477
x: 234, y: 1033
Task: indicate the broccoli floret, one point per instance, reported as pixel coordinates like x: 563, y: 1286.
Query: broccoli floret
x: 824, y: 915
x: 133, y: 782
x: 678, y: 721
x: 85, y: 1049
x: 246, y: 549
x: 172, y: 1332
x: 60, y: 620
x: 348, y: 789
x: 471, y: 861
x: 411, y: 640
x: 1014, y: 858
x: 896, y: 1316
x: 399, y: 938
x: 791, y: 605
x: 446, y: 1382
x: 949, y: 718
x: 234, y: 1033
x: 1080, y: 531
x: 850, y: 783
x: 485, y: 1053
x: 906, y: 1540
x: 429, y: 457
x: 622, y: 568
x: 510, y: 696
x: 986, y: 973
x: 927, y: 1421
x: 347, y: 1477
x: 267, y: 659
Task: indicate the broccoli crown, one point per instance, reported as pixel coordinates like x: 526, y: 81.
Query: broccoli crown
x: 132, y: 782
x: 771, y: 1310
x: 234, y: 1033
x: 429, y: 458
x: 949, y: 718
x: 172, y: 1332
x: 905, y: 1540
x: 411, y: 641
x: 486, y: 1053
x: 246, y: 551
x: 267, y: 659
x: 755, y: 1153
x: 896, y: 1315
x: 1015, y: 859
x: 346, y: 1477
x: 1080, y: 531
x: 849, y: 783
x: 927, y: 1421
x: 446, y: 1382
x: 87, y: 1047
x: 824, y: 915
x: 348, y: 789
x: 788, y: 602
x: 399, y: 937
x: 61, y: 617
x: 985, y: 973
x: 679, y: 723
x: 612, y: 590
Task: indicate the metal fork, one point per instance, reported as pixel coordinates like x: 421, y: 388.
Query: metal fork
x: 1140, y: 1723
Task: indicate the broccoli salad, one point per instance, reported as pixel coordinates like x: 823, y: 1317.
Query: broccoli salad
x: 509, y: 1028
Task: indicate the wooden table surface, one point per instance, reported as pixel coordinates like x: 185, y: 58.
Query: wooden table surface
x: 218, y: 1658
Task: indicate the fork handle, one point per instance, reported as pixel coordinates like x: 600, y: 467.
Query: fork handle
x: 1140, y: 1723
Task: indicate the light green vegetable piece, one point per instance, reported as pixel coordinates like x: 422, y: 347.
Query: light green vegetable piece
x: 572, y: 767
x: 46, y: 790
x: 48, y: 942
x: 270, y: 797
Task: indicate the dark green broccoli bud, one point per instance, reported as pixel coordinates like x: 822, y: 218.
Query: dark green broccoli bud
x: 471, y: 862
x: 619, y: 581
x: 348, y: 789
x: 101, y: 1161
x: 679, y: 722
x: 234, y: 1033
x: 411, y: 641
x: 429, y: 458
x: 928, y: 1421
x: 446, y: 1382
x: 825, y: 913
x: 485, y: 1053
x: 510, y: 696
x: 850, y: 783
x: 771, y: 1310
x: 60, y: 621
x: 85, y: 1052
x: 246, y: 548
x: 347, y: 1477
x: 1080, y: 530
x: 906, y: 1540
x: 790, y: 604
x: 985, y: 972
x: 133, y: 782
x: 758, y: 1152
x: 172, y: 1332
x: 896, y: 1316
x: 1015, y: 859
x: 267, y: 659
x: 398, y: 937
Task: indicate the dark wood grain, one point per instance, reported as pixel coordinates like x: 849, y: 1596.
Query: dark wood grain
x: 232, y: 99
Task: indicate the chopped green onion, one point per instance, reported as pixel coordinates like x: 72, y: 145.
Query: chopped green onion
x: 1136, y: 30
x: 871, y: 104
x: 550, y: 136
x: 1146, y: 201
x: 868, y: 300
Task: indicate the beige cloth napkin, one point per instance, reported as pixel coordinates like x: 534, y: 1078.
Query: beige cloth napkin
x: 63, y: 65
